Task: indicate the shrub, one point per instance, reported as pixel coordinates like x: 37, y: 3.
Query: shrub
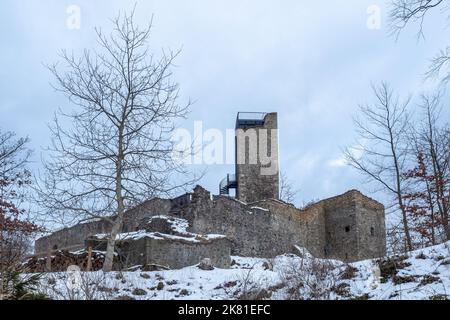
x: 160, y: 286
x: 309, y: 278
x: 18, y: 287
x: 389, y: 267
x: 421, y: 256
x: 184, y: 292
x: 363, y: 297
x: 348, y: 273
x: 428, y: 279
x: 139, y: 292
x: 439, y: 297
x: 403, y: 279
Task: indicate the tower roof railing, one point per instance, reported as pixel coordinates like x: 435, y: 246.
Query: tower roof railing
x: 248, y: 119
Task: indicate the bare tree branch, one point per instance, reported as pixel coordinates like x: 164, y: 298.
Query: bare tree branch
x: 287, y: 191
x: 404, y: 12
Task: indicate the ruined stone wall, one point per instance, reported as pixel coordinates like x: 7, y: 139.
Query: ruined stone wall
x: 70, y: 238
x: 263, y: 229
x: 174, y: 253
x: 337, y: 228
x: 179, y: 254
x: 228, y: 217
x: 340, y: 230
x: 371, y: 228
x: 348, y: 227
x: 354, y: 227
x: 252, y: 185
x: 295, y: 227
x: 153, y: 207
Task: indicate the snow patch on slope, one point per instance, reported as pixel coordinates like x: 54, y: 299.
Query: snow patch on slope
x: 422, y: 274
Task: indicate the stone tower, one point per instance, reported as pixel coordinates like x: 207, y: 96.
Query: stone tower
x: 257, y: 169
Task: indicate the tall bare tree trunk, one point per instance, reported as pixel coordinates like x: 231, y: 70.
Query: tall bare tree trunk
x: 118, y: 222
x: 111, y: 244
x: 398, y: 190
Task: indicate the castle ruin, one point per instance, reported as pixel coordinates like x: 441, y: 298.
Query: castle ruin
x: 182, y: 231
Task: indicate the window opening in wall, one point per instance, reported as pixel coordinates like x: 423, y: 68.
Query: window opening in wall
x: 372, y: 231
x: 347, y: 229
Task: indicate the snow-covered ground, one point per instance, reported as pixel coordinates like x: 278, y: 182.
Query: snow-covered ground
x: 423, y: 274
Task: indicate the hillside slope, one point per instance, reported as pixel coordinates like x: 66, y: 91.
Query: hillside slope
x: 422, y: 274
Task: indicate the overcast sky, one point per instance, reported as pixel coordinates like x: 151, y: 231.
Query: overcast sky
x: 310, y: 61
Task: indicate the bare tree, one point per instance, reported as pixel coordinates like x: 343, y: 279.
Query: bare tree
x: 114, y: 149
x: 404, y: 12
x: 381, y: 154
x: 15, y: 228
x: 420, y: 200
x: 432, y: 146
x: 287, y: 191
x: 430, y: 141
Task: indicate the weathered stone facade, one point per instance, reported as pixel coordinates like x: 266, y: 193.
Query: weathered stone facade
x: 349, y: 227
x: 177, y: 254
x: 257, y: 171
x: 174, y: 252
x: 73, y: 238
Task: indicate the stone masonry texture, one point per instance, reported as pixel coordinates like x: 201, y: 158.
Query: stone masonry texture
x: 251, y: 184
x: 349, y: 227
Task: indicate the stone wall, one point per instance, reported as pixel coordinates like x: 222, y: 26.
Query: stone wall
x: 70, y: 238
x: 341, y: 231
x: 370, y: 228
x: 263, y: 229
x: 354, y: 227
x: 174, y: 253
x: 179, y: 254
x: 73, y: 238
x: 297, y: 227
x: 153, y: 207
x: 348, y: 227
x: 231, y: 218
